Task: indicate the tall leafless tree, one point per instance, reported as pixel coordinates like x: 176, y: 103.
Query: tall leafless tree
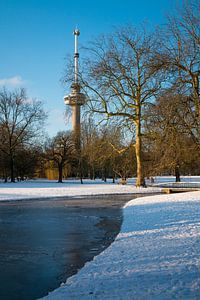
x: 119, y: 81
x: 179, y: 55
x: 61, y: 150
x: 21, y: 121
x: 173, y: 143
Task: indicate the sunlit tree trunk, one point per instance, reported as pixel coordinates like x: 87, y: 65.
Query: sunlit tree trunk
x: 195, y: 84
x: 138, y: 148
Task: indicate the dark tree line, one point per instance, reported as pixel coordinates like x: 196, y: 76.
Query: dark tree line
x: 103, y: 154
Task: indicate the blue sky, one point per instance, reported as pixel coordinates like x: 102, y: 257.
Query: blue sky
x: 36, y: 36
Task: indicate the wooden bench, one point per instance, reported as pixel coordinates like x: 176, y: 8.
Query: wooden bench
x: 178, y: 190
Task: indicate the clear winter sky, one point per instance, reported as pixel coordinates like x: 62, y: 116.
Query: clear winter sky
x: 36, y: 36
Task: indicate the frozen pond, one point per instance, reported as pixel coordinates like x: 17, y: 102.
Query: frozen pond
x: 43, y: 242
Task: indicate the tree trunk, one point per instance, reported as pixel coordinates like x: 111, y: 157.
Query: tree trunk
x: 12, y: 177
x: 195, y: 83
x: 138, y: 150
x: 113, y: 178
x: 93, y: 173
x: 105, y: 174
x: 177, y: 174
x: 60, y: 172
x: 80, y: 167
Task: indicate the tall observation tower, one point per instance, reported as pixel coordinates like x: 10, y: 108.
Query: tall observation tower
x: 75, y: 99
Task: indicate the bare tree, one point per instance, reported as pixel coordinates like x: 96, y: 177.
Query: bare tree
x: 89, y: 138
x: 173, y: 144
x: 27, y: 161
x: 21, y: 121
x: 105, y: 153
x: 119, y: 81
x: 61, y: 150
x: 179, y: 54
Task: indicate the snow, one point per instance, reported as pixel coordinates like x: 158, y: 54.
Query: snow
x: 169, y: 181
x: 44, y: 189
x: 35, y: 189
x: 155, y: 255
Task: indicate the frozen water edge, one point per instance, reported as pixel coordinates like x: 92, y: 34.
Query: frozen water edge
x: 155, y: 255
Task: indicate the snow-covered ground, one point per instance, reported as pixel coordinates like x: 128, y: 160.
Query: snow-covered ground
x: 155, y: 256
x: 169, y: 181
x: 44, y: 189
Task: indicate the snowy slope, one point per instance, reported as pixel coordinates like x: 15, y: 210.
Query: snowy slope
x: 155, y: 256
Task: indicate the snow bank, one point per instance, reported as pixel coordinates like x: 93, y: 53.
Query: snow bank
x: 155, y: 256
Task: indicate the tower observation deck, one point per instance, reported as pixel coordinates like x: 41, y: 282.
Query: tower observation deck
x: 75, y: 99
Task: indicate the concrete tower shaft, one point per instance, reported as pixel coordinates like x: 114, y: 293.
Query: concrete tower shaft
x: 75, y: 99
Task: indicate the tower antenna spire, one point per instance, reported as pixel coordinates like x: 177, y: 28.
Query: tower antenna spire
x: 76, y: 54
